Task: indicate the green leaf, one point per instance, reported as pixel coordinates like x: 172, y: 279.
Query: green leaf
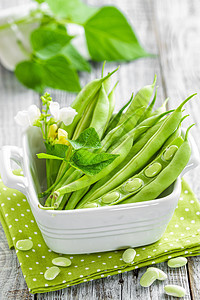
x: 48, y: 156
x: 88, y: 139
x: 110, y: 37
x: 91, y: 163
x: 47, y: 42
x: 58, y: 73
x: 74, y: 10
x: 29, y: 74
x: 78, y: 62
x: 58, y: 150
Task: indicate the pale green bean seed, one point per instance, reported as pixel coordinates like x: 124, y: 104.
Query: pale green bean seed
x: 175, y: 290
x: 129, y: 255
x: 51, y: 273
x: 177, y: 262
x: 110, y: 197
x: 61, y: 261
x: 133, y: 185
x: 169, y: 153
x: 148, y: 278
x: 161, y: 274
x: 24, y: 245
x: 90, y: 205
x: 153, y: 170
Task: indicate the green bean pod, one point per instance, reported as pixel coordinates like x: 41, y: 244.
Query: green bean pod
x: 85, y: 120
x: 119, y: 131
x: 166, y: 177
x: 112, y: 100
x: 139, y: 129
x: 138, y: 182
x: 83, y: 99
x: 116, y: 118
x: 142, y: 98
x: 75, y: 198
x: 161, y: 109
x: 148, y: 111
x: 101, y: 113
x: 144, y: 155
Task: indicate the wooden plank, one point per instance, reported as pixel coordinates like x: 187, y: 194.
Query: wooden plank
x: 177, y: 28
x: 14, y: 97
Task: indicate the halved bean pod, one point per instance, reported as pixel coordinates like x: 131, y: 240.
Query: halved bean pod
x: 136, y: 183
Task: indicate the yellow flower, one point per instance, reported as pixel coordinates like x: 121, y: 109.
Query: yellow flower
x: 52, y: 131
x: 62, y: 137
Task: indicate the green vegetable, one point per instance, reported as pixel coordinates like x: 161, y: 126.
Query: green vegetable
x: 175, y: 290
x: 177, y: 262
x: 24, y: 245
x: 149, y: 277
x: 61, y: 261
x: 51, y: 273
x: 128, y: 255
x: 161, y: 274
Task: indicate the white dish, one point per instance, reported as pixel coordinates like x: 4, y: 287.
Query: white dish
x: 88, y: 230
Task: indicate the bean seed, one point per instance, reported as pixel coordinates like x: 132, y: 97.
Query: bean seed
x: 110, y: 197
x: 153, y: 170
x: 169, y: 153
x: 133, y: 185
x: 161, y: 274
x: 61, y: 261
x: 149, y: 277
x: 24, y: 245
x: 175, y: 290
x: 177, y: 262
x: 128, y: 255
x: 51, y: 273
x: 91, y: 205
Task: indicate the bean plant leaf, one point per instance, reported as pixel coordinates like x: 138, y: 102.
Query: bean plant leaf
x: 58, y: 150
x: 91, y: 163
x: 110, y: 37
x: 73, y: 10
x: 29, y: 74
x: 77, y: 60
x: 47, y: 42
x: 88, y: 139
x: 48, y: 156
x: 59, y: 73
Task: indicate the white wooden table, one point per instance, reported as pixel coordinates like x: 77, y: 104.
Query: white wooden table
x: 170, y: 29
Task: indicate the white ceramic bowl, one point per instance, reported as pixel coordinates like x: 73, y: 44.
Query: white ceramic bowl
x: 88, y: 230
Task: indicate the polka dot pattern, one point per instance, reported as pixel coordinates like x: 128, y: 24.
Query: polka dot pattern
x: 182, y: 237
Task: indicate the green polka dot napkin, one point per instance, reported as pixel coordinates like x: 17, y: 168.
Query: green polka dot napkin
x: 182, y: 237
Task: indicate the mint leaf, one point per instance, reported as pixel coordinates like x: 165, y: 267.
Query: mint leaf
x: 110, y: 37
x: 48, y: 156
x: 74, y: 10
x: 91, y: 163
x: 78, y: 62
x: 47, y: 42
x: 58, y: 73
x: 88, y: 139
x: 58, y: 150
x: 29, y: 74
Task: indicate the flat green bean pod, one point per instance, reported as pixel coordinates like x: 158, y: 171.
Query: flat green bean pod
x: 142, y: 98
x: 135, y: 184
x: 166, y: 177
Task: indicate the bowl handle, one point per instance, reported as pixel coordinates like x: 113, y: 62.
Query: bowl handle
x: 194, y: 158
x: 8, y: 154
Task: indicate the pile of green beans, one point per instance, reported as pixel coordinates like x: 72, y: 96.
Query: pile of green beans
x: 151, y: 151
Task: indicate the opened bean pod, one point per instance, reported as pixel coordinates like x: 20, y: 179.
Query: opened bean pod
x: 136, y: 183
